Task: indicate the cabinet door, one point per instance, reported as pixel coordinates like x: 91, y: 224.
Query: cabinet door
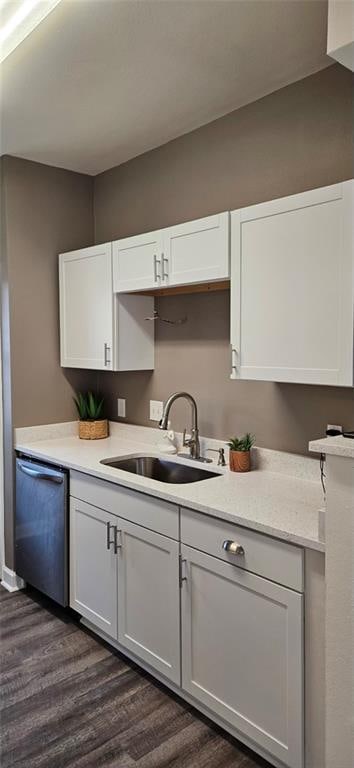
x: 242, y: 652
x: 197, y: 252
x: 137, y: 262
x: 93, y: 565
x: 148, y: 598
x: 86, y: 308
x: 292, y: 288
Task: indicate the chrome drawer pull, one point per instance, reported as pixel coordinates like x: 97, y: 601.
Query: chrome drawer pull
x: 233, y: 547
x: 157, y: 275
x: 164, y: 269
x: 109, y: 541
x: 107, y: 359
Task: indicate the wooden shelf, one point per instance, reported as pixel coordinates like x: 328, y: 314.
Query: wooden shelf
x: 223, y: 285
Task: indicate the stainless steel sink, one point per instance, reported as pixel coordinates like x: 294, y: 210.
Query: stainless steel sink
x: 159, y: 469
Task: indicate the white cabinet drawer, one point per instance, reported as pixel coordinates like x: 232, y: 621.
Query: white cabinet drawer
x: 275, y: 560
x: 152, y: 513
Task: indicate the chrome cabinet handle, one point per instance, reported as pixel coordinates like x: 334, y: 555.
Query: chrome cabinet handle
x: 109, y: 541
x: 182, y: 570
x: 233, y: 362
x: 117, y: 545
x: 164, y: 271
x: 233, y: 547
x: 157, y: 275
x: 108, y: 533
x: 107, y: 359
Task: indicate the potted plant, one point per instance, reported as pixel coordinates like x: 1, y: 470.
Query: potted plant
x: 240, y: 452
x: 91, y: 424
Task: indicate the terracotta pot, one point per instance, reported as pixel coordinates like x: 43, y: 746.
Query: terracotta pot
x: 240, y: 461
x: 93, y: 430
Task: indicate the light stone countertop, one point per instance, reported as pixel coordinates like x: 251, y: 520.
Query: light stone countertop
x: 334, y: 446
x: 277, y: 503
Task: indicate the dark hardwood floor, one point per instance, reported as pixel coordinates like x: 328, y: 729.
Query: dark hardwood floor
x: 68, y: 700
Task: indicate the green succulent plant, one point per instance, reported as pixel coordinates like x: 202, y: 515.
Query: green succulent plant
x: 89, y: 406
x: 241, y: 443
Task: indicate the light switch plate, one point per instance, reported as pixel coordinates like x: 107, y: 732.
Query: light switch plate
x: 156, y: 410
x: 121, y: 407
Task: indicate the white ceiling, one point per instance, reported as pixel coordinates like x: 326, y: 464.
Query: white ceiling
x: 101, y: 81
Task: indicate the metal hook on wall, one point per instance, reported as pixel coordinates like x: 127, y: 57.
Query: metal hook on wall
x: 157, y: 317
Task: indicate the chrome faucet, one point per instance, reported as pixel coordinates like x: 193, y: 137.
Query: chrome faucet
x: 191, y: 442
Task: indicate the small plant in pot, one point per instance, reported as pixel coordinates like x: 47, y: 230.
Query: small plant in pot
x: 240, y: 452
x: 91, y: 424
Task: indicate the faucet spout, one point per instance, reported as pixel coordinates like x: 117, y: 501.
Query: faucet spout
x: 193, y: 441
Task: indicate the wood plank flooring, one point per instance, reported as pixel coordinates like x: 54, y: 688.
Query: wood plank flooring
x: 69, y: 701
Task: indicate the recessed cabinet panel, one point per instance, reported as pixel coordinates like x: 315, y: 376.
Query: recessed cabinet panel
x: 93, y: 566
x: 197, y: 251
x: 292, y: 288
x: 137, y: 262
x: 86, y: 308
x: 242, y: 652
x: 148, y: 598
x: 100, y: 330
x: 194, y: 252
x: 275, y: 560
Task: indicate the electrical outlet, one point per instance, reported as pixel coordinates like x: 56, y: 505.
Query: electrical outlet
x: 156, y: 410
x: 121, y: 407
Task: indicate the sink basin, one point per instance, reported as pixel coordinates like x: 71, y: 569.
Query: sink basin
x: 158, y: 469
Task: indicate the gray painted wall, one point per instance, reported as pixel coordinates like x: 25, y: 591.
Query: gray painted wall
x: 295, y: 139
x: 45, y: 210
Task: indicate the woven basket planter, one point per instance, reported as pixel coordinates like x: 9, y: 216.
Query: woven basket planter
x: 93, y: 430
x: 240, y: 461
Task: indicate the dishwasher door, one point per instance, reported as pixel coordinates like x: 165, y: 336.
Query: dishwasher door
x: 41, y: 528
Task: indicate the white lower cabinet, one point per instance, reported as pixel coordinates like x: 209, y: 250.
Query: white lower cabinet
x: 227, y: 638
x: 124, y: 579
x: 148, y: 598
x: 242, y: 652
x: 93, y: 565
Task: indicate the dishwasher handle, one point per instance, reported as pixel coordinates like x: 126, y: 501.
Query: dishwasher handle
x: 40, y: 475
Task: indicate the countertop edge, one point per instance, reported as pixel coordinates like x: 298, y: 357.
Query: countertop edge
x: 128, y: 482
x: 334, y: 446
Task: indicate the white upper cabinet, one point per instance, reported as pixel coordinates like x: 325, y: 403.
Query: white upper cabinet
x: 292, y: 288
x: 137, y: 262
x: 99, y: 330
x: 340, y: 32
x: 195, y: 252
x: 86, y: 308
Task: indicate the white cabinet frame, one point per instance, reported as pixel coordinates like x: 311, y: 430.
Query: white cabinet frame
x: 86, y: 308
x: 193, y: 252
x: 333, y: 208
x: 137, y: 262
x: 205, y: 654
x: 148, y: 598
x: 93, y: 566
x: 101, y: 330
x: 197, y: 251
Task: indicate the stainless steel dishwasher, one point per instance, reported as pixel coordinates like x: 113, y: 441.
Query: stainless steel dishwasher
x: 42, y: 527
